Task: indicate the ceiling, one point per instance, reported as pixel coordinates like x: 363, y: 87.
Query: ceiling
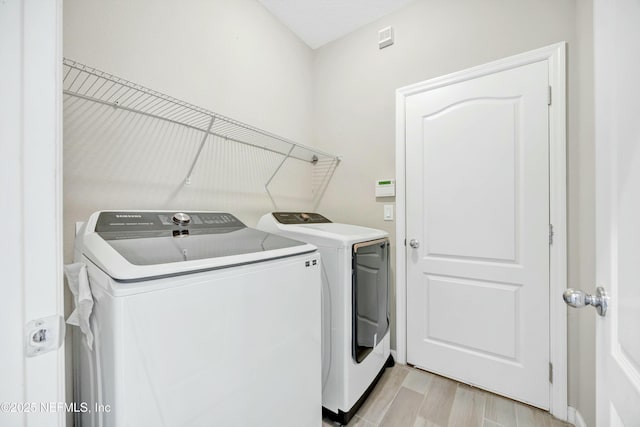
x: 317, y: 22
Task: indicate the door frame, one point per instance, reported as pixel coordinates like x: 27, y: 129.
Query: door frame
x: 556, y: 55
x: 31, y: 171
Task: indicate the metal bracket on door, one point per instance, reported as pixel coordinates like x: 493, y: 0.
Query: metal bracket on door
x: 44, y: 335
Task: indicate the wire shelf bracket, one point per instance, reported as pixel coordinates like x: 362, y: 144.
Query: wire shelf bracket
x: 187, y: 180
x: 91, y: 84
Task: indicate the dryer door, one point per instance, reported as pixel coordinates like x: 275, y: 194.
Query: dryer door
x: 370, y: 290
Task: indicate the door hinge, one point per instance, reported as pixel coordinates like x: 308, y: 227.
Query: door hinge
x: 551, y: 372
x: 551, y: 234
x: 549, y: 96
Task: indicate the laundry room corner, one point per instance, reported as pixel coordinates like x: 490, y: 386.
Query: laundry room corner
x: 354, y: 109
x: 209, y: 58
x: 230, y: 57
x: 236, y: 58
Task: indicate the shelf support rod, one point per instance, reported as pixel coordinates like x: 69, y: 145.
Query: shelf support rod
x: 266, y: 186
x: 325, y: 182
x: 187, y: 181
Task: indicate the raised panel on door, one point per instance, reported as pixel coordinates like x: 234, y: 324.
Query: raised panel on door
x: 452, y: 301
x: 469, y: 202
x: 478, y: 202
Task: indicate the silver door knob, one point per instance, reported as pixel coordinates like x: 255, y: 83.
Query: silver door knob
x: 414, y: 243
x: 579, y: 299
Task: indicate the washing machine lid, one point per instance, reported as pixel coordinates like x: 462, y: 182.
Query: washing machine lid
x: 136, y: 245
x: 317, y: 229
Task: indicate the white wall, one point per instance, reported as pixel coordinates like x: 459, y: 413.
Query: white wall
x: 231, y: 57
x: 354, y: 114
x: 582, y: 323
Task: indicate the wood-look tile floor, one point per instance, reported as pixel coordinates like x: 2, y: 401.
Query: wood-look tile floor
x: 409, y: 397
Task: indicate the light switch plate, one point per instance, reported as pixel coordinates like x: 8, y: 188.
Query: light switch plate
x: 388, y: 212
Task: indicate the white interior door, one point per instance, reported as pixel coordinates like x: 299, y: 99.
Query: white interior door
x: 31, y: 386
x: 617, y: 96
x: 477, y: 209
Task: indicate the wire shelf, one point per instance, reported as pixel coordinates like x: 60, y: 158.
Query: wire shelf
x: 92, y: 84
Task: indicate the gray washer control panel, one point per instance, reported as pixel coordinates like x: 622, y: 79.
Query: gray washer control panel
x: 128, y: 224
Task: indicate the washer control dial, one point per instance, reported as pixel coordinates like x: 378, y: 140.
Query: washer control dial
x: 181, y: 218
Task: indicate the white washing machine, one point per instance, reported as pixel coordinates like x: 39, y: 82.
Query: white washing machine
x: 199, y: 321
x: 355, y: 305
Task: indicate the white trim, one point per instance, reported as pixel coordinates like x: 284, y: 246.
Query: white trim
x: 41, y: 164
x: 63, y: 418
x: 558, y: 217
x: 401, y: 228
x: 11, y: 304
x: 556, y: 56
x: 394, y: 355
x: 574, y: 417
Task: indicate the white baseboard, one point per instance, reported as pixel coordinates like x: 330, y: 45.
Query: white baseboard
x: 574, y: 417
x: 395, y: 356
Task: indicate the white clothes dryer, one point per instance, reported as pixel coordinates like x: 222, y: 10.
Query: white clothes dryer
x: 355, y: 305
x: 198, y: 321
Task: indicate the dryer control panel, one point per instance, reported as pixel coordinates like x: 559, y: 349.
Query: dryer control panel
x: 299, y: 218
